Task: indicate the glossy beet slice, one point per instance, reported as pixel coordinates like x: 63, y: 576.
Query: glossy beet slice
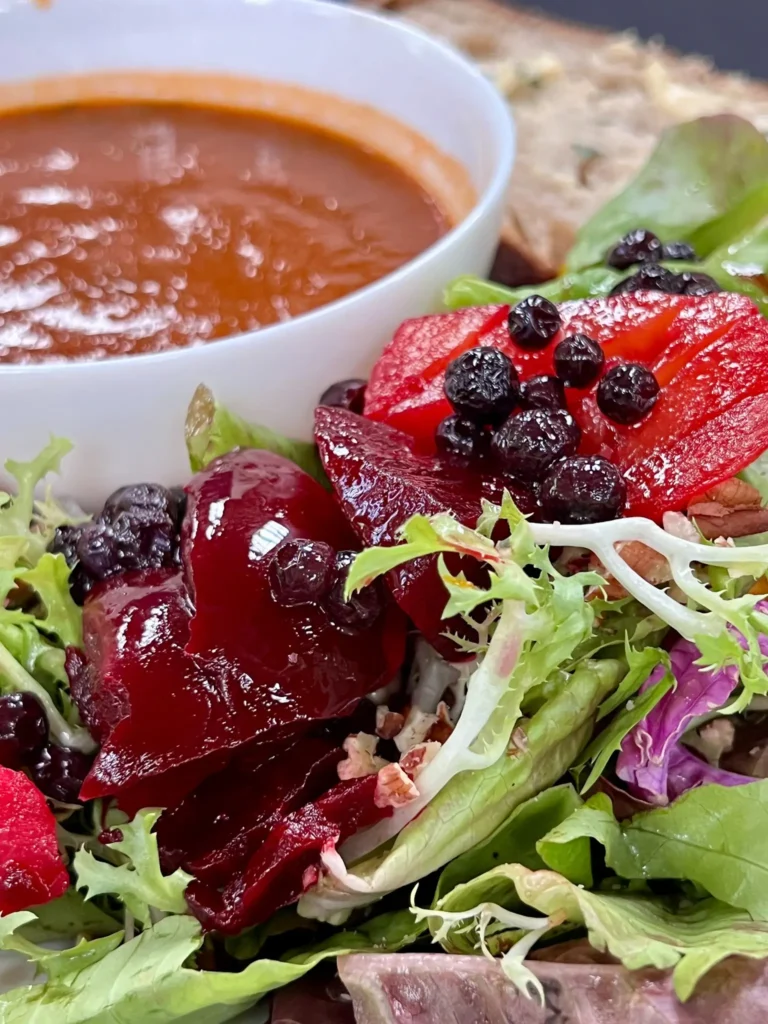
x: 167, y: 683
x: 31, y: 869
x: 215, y: 830
x: 239, y: 511
x: 381, y: 481
x: 288, y: 863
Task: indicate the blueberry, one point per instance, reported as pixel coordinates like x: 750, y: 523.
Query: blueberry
x: 650, y: 277
x: 345, y: 394
x: 627, y: 393
x: 461, y: 438
x: 65, y: 543
x: 638, y: 246
x: 583, y: 489
x: 482, y: 385
x: 578, y: 360
x: 542, y: 392
x: 534, y: 322
x: 300, y: 572
x: 60, y: 772
x: 697, y: 284
x: 23, y: 730
x: 362, y: 609
x: 151, y: 502
x: 679, y: 251
x: 98, y: 551
x: 530, y: 442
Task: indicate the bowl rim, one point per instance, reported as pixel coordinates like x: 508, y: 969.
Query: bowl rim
x: 504, y: 121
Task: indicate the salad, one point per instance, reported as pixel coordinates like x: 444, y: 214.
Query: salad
x: 482, y: 669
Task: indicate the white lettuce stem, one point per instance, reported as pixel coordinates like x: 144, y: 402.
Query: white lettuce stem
x: 484, y: 691
x: 601, y: 538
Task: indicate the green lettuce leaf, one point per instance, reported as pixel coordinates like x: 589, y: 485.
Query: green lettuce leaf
x: 514, y: 842
x: 713, y: 836
x: 475, y: 803
x: 59, y: 614
x: 152, y: 977
x: 67, y: 917
x: 138, y: 881
x: 211, y: 431
x: 642, y: 931
x: 699, y: 173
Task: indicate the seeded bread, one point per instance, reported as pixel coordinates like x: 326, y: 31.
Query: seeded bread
x: 590, y: 106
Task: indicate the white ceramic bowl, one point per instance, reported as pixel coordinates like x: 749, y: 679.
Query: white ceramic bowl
x: 126, y: 415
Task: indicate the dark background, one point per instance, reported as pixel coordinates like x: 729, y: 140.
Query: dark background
x: 733, y: 32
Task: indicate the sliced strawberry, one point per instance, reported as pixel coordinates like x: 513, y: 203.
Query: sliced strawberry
x: 381, y: 481
x: 406, y: 385
x: 31, y: 869
x: 709, y: 355
x: 421, y: 350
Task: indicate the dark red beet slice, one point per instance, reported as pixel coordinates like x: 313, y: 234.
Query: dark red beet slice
x: 31, y: 869
x: 165, y: 703
x: 381, y: 481
x: 216, y: 829
x: 239, y: 510
x: 289, y: 861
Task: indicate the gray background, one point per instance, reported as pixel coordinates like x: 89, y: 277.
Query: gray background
x: 733, y: 32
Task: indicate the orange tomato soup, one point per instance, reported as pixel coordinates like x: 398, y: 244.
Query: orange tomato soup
x: 143, y: 227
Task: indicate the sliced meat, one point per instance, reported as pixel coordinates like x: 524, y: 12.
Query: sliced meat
x: 415, y: 988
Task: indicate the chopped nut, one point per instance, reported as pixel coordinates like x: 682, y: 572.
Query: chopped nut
x: 361, y: 757
x: 416, y: 760
x: 388, y: 723
x: 394, y: 788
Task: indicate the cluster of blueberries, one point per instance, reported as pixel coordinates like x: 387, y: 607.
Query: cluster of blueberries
x: 646, y: 249
x: 524, y: 427
x: 58, y: 772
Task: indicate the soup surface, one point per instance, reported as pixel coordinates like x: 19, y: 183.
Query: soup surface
x: 130, y: 228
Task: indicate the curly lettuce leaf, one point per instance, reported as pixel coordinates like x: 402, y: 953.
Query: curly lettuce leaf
x: 23, y: 520
x: 699, y: 173
x: 211, y: 431
x: 713, y: 836
x: 138, y: 882
x: 536, y: 626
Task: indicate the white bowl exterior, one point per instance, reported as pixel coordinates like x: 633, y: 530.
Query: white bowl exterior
x: 126, y: 415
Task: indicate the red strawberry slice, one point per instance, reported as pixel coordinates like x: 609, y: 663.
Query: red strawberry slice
x: 171, y: 687
x: 31, y: 869
x: 708, y: 353
x: 381, y: 481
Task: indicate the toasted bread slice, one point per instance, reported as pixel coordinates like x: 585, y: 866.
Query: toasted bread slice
x: 589, y: 105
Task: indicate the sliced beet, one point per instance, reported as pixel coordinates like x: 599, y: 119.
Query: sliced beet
x: 172, y: 687
x: 31, y: 869
x: 381, y: 481
x: 215, y: 830
x: 288, y: 862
